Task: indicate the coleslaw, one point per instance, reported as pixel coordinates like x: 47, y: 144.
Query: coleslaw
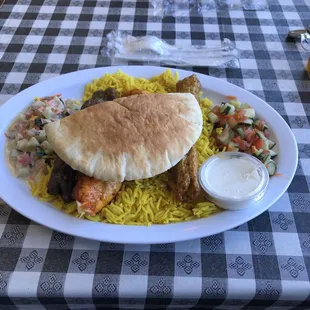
x: 27, y: 146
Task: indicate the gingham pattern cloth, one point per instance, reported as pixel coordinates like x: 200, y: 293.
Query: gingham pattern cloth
x: 262, y: 264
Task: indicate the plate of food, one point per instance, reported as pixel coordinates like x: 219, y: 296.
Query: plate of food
x: 141, y: 154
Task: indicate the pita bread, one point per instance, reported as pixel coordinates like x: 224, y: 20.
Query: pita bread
x: 130, y: 138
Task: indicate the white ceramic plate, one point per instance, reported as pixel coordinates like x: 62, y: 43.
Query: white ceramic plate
x: 71, y: 85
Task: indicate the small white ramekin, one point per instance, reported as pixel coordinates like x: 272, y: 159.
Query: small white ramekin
x: 233, y: 203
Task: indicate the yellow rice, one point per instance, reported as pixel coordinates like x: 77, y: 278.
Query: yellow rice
x: 148, y: 201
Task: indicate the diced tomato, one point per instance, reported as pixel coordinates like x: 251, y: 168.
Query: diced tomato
x: 216, y: 110
x: 240, y: 142
x: 37, y: 112
x: 231, y: 97
x: 253, y: 149
x: 259, y: 144
x: 228, y: 116
x: 24, y: 159
x: 249, y: 135
x: 223, y: 120
x: 239, y: 116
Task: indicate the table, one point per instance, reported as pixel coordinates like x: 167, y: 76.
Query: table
x: 263, y: 263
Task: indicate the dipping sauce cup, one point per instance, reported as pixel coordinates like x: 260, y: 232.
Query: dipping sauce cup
x: 233, y: 180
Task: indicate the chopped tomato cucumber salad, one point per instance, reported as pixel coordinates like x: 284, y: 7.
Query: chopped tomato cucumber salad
x: 237, y: 129
x: 27, y: 145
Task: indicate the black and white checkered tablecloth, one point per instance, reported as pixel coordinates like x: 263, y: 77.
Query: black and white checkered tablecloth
x: 263, y: 263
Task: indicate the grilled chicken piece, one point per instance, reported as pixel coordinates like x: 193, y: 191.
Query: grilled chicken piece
x: 183, y: 179
x: 187, y: 185
x: 194, y: 187
x: 190, y: 84
x: 92, y: 194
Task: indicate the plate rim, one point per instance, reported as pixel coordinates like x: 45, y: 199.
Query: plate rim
x: 189, y: 231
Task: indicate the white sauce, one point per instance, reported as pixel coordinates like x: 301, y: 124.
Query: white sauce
x: 233, y: 177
